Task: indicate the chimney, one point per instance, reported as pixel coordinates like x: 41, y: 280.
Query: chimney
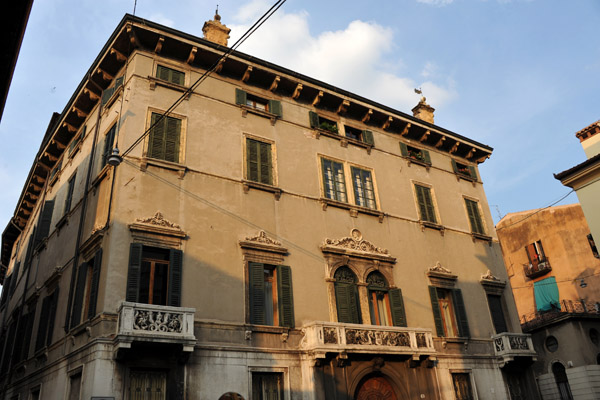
x: 423, y: 111
x: 215, y: 31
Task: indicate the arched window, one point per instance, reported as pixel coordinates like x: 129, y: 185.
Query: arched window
x: 346, y: 296
x: 386, y: 305
x: 560, y: 376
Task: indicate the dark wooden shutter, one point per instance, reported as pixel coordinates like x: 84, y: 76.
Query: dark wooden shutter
x: 495, y: 303
x: 368, y: 137
x: 5, y: 289
x: 52, y: 316
x: 285, y: 296
x: 107, y: 94
x: 347, y: 304
x: 454, y: 167
x: 252, y: 152
x: 133, y: 273
x: 157, y: 137
x: 40, y: 339
x: 421, y: 200
x: 474, y: 217
x: 426, y: 156
x: 79, y: 295
x: 178, y: 77
x: 28, y: 323
x: 437, y: 314
x: 257, y: 293
x: 18, y: 346
x: 69, y: 198
x: 45, y: 220
x: 108, y: 144
x: 397, y: 307
x: 15, y: 275
x: 275, y: 107
x: 473, y: 172
x: 175, y: 276
x: 162, y: 73
x: 94, y: 284
x: 314, y: 119
x: 70, y: 299
x: 30, y: 248
x: 266, y: 175
x: 403, y: 149
x: 461, y: 313
x: 240, y: 97
x: 172, y: 138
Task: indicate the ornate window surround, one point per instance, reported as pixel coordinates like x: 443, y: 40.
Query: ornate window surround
x: 361, y: 257
x: 441, y: 277
x: 492, y: 284
x: 157, y: 231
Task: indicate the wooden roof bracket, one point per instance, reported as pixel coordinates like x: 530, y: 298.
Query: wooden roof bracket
x: 440, y: 142
x: 297, y: 91
x: 455, y: 147
x: 425, y: 136
x: 367, y: 116
x: 406, y: 129
x: 159, y: 44
x: 275, y: 83
x: 219, y: 66
x: 317, y: 99
x: 192, y: 55
x: 343, y: 107
x: 120, y: 56
x: 105, y: 75
x: 132, y: 36
x: 58, y: 144
x: 247, y: 74
x: 471, y: 153
x: 387, y: 123
x: 80, y: 113
x: 69, y: 127
x: 482, y: 159
x: 93, y: 96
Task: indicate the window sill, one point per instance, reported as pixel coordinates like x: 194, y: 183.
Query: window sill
x: 411, y: 160
x: 261, y: 186
x: 103, y: 174
x: 432, y: 225
x: 343, y: 140
x: 154, y: 81
x: 353, y: 209
x: 75, y: 149
x: 266, y: 114
x: 41, y: 245
x: 112, y: 99
x: 466, y: 177
x: 54, y: 179
x: 180, y: 168
x: 62, y: 222
x: 482, y: 237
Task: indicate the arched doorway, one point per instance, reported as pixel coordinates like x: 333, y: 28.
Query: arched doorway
x: 375, y: 388
x: 560, y: 376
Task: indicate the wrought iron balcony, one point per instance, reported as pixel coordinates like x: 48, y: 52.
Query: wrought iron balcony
x: 511, y: 345
x: 323, y: 337
x: 537, y: 269
x: 160, y: 324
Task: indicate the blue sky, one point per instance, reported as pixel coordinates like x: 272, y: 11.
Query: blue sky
x: 521, y: 76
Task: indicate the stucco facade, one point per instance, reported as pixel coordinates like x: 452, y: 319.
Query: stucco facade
x: 245, y: 247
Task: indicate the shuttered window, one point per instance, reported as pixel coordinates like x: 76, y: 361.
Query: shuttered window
x: 415, y: 154
x: 425, y: 202
x: 334, y: 181
x: 164, y: 139
x: 109, y: 140
x: 474, y: 217
x: 83, y: 306
x: 449, y: 312
x: 154, y: 275
x: 364, y: 136
x: 385, y: 305
x: 46, y: 323
x: 271, y: 295
x: 69, y: 198
x: 495, y: 303
x: 364, y: 193
x: 258, y: 103
x: 259, y: 164
x: 108, y: 93
x: 26, y: 339
x: 267, y: 386
x: 464, y: 171
x: 346, y: 296
x: 44, y: 220
x: 170, y: 75
x: 15, y: 275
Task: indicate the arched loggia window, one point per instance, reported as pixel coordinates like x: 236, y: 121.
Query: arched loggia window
x: 560, y: 376
x: 346, y: 296
x: 386, y: 305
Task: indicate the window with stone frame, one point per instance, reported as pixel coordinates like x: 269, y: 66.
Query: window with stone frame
x: 360, y: 135
x: 170, y: 75
x: 164, y: 140
x: 474, y: 215
x: 85, y: 280
x: 414, y: 154
x: 334, y: 180
x: 462, y: 386
x: 259, y: 161
x: 364, y: 189
x: 449, y: 312
x: 464, y: 171
x: 271, y: 295
x: 425, y: 204
x: 267, y: 386
x: 346, y: 296
x: 386, y: 305
x: 254, y: 102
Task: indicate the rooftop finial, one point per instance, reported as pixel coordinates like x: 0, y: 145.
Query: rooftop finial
x: 217, y: 16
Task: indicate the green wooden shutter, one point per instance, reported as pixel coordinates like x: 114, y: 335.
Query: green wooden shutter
x: 397, y: 307
x: 426, y: 156
x: 454, y: 167
x: 94, y: 284
x: 69, y: 198
x: 108, y: 144
x: 474, y: 216
x: 252, y: 160
x: 45, y: 220
x: 15, y: 275
x: 157, y: 137
x: 461, y: 313
x: 107, y: 94
x: 28, y: 331
x: 266, y: 175
x: 275, y: 107
x: 52, y: 316
x: 175, y: 275
x: 314, y: 119
x: 368, y: 137
x: 495, y: 303
x: 285, y: 296
x: 133, y: 273
x: 403, y: 149
x: 472, y: 172
x: 437, y: 314
x: 162, y: 73
x: 40, y: 339
x: 173, y: 132
x: 178, y: 78
x: 240, y: 97
x: 257, y: 293
x: 421, y: 200
x: 70, y: 299
x: 346, y: 301
x: 79, y: 294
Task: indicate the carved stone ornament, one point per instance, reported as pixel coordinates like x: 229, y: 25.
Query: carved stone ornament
x: 490, y: 277
x: 438, y: 268
x: 356, y: 243
x: 158, y: 220
x: 263, y: 238
x: 262, y: 243
x: 146, y: 320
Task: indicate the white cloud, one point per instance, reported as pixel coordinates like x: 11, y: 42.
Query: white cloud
x: 439, y: 3
x: 360, y: 58
x: 161, y: 19
x: 252, y: 11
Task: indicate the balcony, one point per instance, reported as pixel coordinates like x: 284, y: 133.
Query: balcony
x: 155, y: 324
x: 507, y: 346
x: 537, y: 269
x: 568, y: 309
x: 323, y: 337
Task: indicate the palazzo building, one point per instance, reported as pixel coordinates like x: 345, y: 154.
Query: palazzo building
x: 270, y: 237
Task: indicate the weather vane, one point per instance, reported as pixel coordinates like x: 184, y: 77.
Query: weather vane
x: 420, y: 91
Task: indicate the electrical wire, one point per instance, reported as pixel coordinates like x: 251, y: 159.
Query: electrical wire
x: 205, y: 75
x: 561, y: 281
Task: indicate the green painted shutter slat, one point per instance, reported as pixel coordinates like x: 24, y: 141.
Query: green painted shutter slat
x: 426, y: 156
x: 79, y: 293
x: 265, y: 163
x: 454, y: 167
x: 172, y: 134
x: 52, y: 316
x: 252, y: 154
x: 397, y: 306
x: 157, y: 137
x: 285, y: 296
x: 403, y: 149
x: 472, y: 172
x: 275, y: 107
x: 429, y: 205
x: 69, y: 198
x: 175, y: 277
x: 107, y: 94
x: 257, y: 293
x: 45, y: 220
x: 178, y: 77
x: 461, y: 313
x: 40, y: 339
x: 119, y: 82
x: 314, y: 119
x: 70, y: 299
x: 162, y: 73
x: 133, y: 273
x: 240, y: 97
x: 27, y: 337
x: 94, y: 284
x: 368, y: 137
x: 343, y: 302
x: 108, y: 144
x: 15, y: 274
x: 421, y: 201
x: 437, y: 314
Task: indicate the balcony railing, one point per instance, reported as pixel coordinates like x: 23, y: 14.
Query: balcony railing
x: 355, y: 338
x: 539, y: 269
x: 511, y: 345
x: 152, y: 323
x: 567, y: 308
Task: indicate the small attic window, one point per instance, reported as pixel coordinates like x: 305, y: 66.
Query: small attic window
x: 359, y: 135
x: 170, y: 75
x: 464, y: 171
x: 414, y: 154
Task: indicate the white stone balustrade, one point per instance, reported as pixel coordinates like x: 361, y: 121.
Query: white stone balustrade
x: 510, y: 345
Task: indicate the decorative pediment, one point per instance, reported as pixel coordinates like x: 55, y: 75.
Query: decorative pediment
x: 357, y: 246
x: 159, y: 220
x: 491, y: 283
x: 439, y: 269
x: 157, y: 231
x: 441, y: 276
x: 262, y: 242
